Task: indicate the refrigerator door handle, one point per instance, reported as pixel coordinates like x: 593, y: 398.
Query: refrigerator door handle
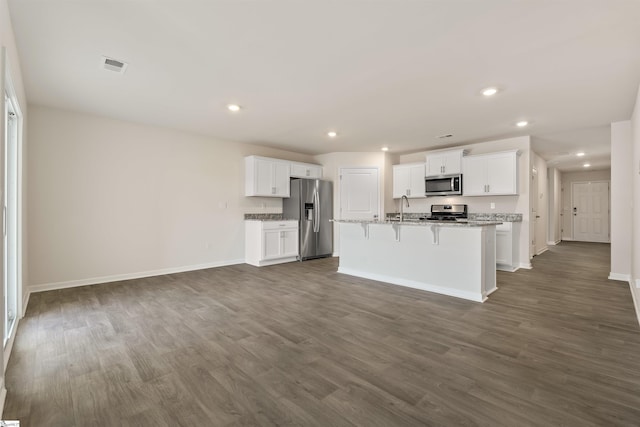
x: 316, y: 210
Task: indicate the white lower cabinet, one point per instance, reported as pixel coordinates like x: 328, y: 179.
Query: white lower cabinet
x: 270, y: 242
x: 507, y: 246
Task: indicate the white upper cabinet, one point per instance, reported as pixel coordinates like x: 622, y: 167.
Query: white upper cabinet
x: 493, y: 174
x: 267, y: 177
x: 408, y: 180
x: 444, y: 162
x: 305, y: 170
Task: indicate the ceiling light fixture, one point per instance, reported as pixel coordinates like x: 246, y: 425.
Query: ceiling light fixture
x: 385, y: 148
x: 580, y: 154
x: 522, y: 123
x: 332, y: 134
x: 234, y: 108
x: 587, y: 165
x: 490, y: 91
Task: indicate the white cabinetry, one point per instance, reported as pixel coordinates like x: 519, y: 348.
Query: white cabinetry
x: 408, y: 180
x: 444, y: 162
x: 266, y: 177
x: 305, y: 170
x: 492, y: 174
x: 270, y: 242
x: 507, y: 246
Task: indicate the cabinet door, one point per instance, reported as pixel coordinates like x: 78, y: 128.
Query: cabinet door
x: 435, y: 164
x: 289, y: 242
x: 280, y: 180
x: 452, y: 162
x: 501, y: 174
x: 401, y: 181
x: 474, y: 177
x: 271, y: 244
x: 263, y: 180
x: 416, y: 181
x: 503, y: 247
x: 304, y: 170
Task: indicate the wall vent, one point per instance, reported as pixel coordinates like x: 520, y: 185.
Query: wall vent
x: 113, y: 65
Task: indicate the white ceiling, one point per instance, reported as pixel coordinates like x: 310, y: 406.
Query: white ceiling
x: 383, y: 72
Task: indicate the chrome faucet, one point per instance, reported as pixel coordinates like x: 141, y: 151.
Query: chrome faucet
x: 402, y: 207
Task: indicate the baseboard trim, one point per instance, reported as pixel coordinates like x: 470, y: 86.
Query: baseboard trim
x: 119, y: 277
x: 543, y: 250
x: 526, y: 265
x: 567, y: 239
x: 636, y: 298
x: 618, y: 276
x: 25, y: 301
x: 552, y: 243
x: 3, y: 396
x: 471, y: 296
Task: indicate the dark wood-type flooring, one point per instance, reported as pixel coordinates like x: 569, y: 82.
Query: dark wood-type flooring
x: 299, y: 344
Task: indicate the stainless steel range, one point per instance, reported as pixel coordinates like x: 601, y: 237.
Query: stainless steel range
x: 448, y: 213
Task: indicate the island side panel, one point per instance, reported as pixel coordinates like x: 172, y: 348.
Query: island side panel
x: 436, y: 258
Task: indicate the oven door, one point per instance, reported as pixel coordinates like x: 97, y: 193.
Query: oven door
x: 444, y: 185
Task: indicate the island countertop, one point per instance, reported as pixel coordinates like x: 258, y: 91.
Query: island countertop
x: 420, y: 223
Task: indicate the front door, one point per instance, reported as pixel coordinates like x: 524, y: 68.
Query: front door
x: 359, y: 193
x: 590, y: 211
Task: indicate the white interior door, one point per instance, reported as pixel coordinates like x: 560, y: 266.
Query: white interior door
x: 359, y: 193
x: 534, y: 212
x: 590, y: 211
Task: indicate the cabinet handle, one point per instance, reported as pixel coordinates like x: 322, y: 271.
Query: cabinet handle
x: 488, y: 188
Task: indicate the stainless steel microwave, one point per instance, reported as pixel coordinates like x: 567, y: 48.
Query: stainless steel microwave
x: 443, y: 185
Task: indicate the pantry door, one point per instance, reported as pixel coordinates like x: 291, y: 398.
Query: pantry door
x: 359, y: 193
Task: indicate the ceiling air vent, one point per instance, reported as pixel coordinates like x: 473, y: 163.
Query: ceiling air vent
x: 114, y: 65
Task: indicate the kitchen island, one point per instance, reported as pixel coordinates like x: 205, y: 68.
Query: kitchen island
x: 450, y: 258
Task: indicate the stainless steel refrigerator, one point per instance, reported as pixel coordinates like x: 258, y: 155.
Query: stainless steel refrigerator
x: 311, y: 203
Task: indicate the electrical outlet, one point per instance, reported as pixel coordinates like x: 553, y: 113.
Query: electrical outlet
x: 493, y: 205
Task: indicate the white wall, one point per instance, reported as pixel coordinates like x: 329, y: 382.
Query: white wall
x: 621, y: 203
x: 111, y: 198
x: 569, y: 178
x: 635, y: 214
x: 333, y: 162
x: 503, y: 204
x: 555, y: 206
x: 7, y: 40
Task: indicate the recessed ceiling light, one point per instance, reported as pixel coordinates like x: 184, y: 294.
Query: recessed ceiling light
x: 385, y: 148
x: 522, y: 123
x: 332, y: 134
x: 587, y: 165
x: 490, y: 91
x: 580, y: 154
x: 234, y: 107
